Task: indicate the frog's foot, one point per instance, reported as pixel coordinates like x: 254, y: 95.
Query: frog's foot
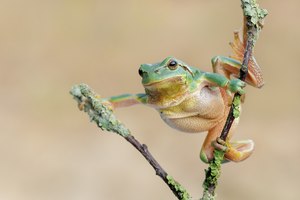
x: 82, y: 104
x: 220, y: 145
x: 230, y: 66
x: 208, y: 147
x: 239, y: 150
x: 238, y: 46
x: 206, y: 156
x: 234, y: 151
x: 236, y: 85
x: 107, y: 104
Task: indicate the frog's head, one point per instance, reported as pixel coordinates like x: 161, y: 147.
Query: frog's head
x: 171, y: 76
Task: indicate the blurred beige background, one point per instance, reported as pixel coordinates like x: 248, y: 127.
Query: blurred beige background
x: 49, y: 150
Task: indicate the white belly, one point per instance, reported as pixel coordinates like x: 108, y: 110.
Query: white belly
x: 200, y: 112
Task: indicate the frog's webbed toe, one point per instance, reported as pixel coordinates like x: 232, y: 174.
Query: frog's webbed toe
x: 239, y: 150
x: 234, y: 151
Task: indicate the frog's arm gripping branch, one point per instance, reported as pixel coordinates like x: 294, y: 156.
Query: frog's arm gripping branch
x: 233, y: 85
x: 254, y: 17
x: 89, y: 102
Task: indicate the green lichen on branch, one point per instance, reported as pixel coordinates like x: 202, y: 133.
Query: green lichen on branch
x: 236, y: 104
x: 183, y: 194
x: 211, y: 175
x: 254, y: 16
x: 254, y: 12
x: 90, y: 102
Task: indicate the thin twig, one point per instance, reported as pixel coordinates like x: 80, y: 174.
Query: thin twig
x: 243, y: 74
x: 254, y: 17
x: 90, y: 102
x: 176, y: 188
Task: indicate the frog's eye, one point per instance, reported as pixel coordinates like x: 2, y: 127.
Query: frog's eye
x: 172, y: 65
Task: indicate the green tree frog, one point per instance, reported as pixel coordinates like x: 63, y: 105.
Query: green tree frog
x: 191, y: 100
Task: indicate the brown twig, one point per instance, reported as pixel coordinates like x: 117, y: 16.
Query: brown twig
x: 175, y: 187
x: 243, y: 74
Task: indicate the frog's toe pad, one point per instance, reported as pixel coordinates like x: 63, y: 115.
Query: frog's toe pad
x: 108, y: 104
x: 220, y: 145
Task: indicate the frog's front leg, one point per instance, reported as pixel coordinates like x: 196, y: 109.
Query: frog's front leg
x: 231, y: 65
x: 234, y: 151
x: 125, y: 100
x: 218, y: 80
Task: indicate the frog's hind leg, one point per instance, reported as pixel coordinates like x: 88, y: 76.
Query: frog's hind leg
x: 230, y: 66
x: 235, y: 151
x: 207, y: 150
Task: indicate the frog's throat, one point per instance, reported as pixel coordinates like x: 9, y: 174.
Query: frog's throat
x: 168, y: 92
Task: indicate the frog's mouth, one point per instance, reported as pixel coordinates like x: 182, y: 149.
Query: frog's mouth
x: 167, y: 88
x: 165, y: 83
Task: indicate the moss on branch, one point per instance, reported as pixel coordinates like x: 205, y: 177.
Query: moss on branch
x: 98, y: 113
